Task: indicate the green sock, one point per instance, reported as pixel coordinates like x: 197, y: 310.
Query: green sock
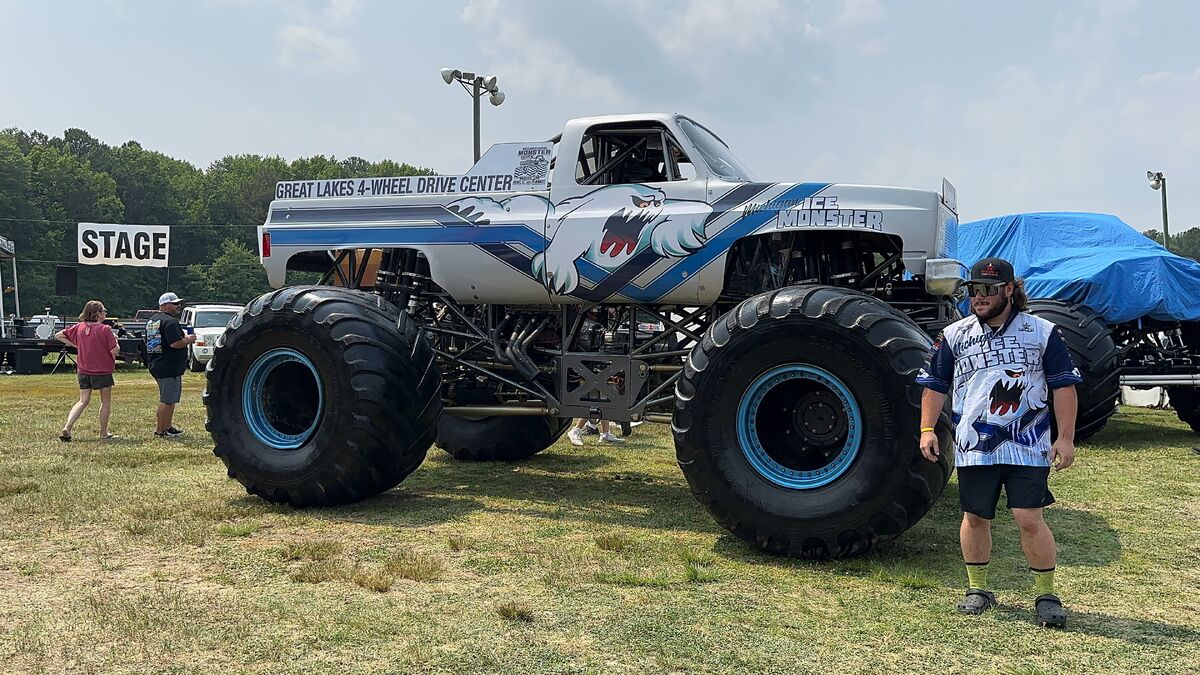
x: 1043, y: 581
x: 977, y: 575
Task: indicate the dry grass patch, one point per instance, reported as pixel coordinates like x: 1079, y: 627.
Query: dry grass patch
x: 239, y: 529
x: 632, y: 578
x: 138, y: 527
x: 318, y: 571
x: 458, y: 542
x: 613, y: 541
x: 373, y: 578
x: 317, y: 550
x: 513, y: 610
x: 409, y: 564
x: 8, y: 488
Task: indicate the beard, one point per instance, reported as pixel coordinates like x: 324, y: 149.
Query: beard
x: 995, y: 311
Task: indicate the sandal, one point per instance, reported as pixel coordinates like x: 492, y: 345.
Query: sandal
x: 110, y: 437
x: 64, y: 437
x: 977, y: 601
x: 1050, y: 612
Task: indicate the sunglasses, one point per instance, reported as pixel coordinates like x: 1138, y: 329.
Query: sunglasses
x: 986, y: 290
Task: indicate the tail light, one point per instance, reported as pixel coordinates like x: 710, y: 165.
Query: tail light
x: 266, y: 244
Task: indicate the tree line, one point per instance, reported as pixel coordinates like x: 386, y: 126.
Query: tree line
x: 48, y: 184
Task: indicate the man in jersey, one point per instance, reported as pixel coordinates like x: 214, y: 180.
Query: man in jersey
x: 1004, y: 369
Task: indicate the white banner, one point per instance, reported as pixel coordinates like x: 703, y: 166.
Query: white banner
x: 135, y: 245
x: 505, y: 167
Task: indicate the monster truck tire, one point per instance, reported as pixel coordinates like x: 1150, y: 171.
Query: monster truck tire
x: 1097, y: 357
x: 319, y: 395
x: 490, y: 439
x: 1186, y: 402
x: 797, y: 423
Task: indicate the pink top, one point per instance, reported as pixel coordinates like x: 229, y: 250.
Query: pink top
x: 94, y: 342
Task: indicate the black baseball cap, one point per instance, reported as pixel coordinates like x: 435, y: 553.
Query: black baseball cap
x: 992, y: 271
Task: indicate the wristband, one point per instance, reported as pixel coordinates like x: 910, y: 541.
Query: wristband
x: 924, y: 429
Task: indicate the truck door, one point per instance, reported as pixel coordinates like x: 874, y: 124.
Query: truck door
x: 635, y: 207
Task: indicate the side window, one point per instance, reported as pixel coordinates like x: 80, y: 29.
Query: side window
x: 616, y: 154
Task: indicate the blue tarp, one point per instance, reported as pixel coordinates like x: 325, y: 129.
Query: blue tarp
x: 1091, y: 258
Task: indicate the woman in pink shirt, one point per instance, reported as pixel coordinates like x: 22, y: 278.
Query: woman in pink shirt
x: 97, y: 351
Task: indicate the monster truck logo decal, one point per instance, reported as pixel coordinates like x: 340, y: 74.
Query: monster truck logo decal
x: 534, y: 166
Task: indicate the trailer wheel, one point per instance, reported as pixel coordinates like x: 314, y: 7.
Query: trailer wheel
x: 1186, y: 402
x: 797, y: 423
x: 319, y: 395
x: 1097, y: 357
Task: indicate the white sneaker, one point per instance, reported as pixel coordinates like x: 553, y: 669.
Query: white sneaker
x: 608, y: 438
x: 576, y: 436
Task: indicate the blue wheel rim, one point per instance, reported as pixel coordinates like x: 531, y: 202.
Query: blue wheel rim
x: 258, y: 393
x: 831, y: 390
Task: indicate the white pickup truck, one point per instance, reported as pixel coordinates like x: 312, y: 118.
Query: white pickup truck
x: 455, y: 307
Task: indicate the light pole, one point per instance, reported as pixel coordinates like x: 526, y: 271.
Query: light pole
x: 475, y: 85
x: 1159, y: 182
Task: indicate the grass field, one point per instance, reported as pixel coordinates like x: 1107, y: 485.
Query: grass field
x: 140, y: 555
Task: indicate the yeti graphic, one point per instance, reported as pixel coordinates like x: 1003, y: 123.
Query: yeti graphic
x: 606, y: 227
x: 1014, y: 410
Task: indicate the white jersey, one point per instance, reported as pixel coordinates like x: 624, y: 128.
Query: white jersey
x: 999, y: 382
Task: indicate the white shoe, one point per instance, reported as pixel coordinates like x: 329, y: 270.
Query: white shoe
x: 608, y: 438
x: 576, y: 436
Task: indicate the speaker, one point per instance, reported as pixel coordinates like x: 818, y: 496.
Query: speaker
x: 66, y: 280
x: 28, y: 362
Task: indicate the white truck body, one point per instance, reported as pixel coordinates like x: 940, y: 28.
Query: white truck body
x: 525, y: 226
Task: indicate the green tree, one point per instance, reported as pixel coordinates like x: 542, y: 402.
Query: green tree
x: 235, y: 276
x: 1186, y: 243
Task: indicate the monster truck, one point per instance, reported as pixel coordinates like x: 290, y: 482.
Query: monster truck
x: 465, y: 309
x: 1127, y: 308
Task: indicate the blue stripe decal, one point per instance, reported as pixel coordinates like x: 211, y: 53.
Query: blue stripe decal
x: 366, y: 214
x: 720, y: 244
x: 383, y: 235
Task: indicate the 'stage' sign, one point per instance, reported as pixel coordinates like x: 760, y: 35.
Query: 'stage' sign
x: 136, y: 245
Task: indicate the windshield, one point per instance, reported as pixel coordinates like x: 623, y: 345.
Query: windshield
x: 716, y: 154
x: 212, y: 319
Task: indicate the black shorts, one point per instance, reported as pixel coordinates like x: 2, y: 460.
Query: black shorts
x: 95, y: 381
x: 1027, y: 487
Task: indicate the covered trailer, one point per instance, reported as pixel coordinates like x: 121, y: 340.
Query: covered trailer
x: 1128, y: 308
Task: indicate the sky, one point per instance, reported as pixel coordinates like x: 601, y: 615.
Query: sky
x: 1024, y: 106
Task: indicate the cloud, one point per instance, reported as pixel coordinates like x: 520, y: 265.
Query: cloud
x: 858, y: 12
x: 661, y: 54
x: 340, y: 12
x: 307, y: 38
x: 538, y: 64
x: 306, y: 45
x: 1154, y: 78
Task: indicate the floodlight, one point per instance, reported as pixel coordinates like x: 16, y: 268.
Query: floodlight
x: 497, y: 97
x: 1149, y: 175
x: 489, y: 83
x: 448, y: 75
